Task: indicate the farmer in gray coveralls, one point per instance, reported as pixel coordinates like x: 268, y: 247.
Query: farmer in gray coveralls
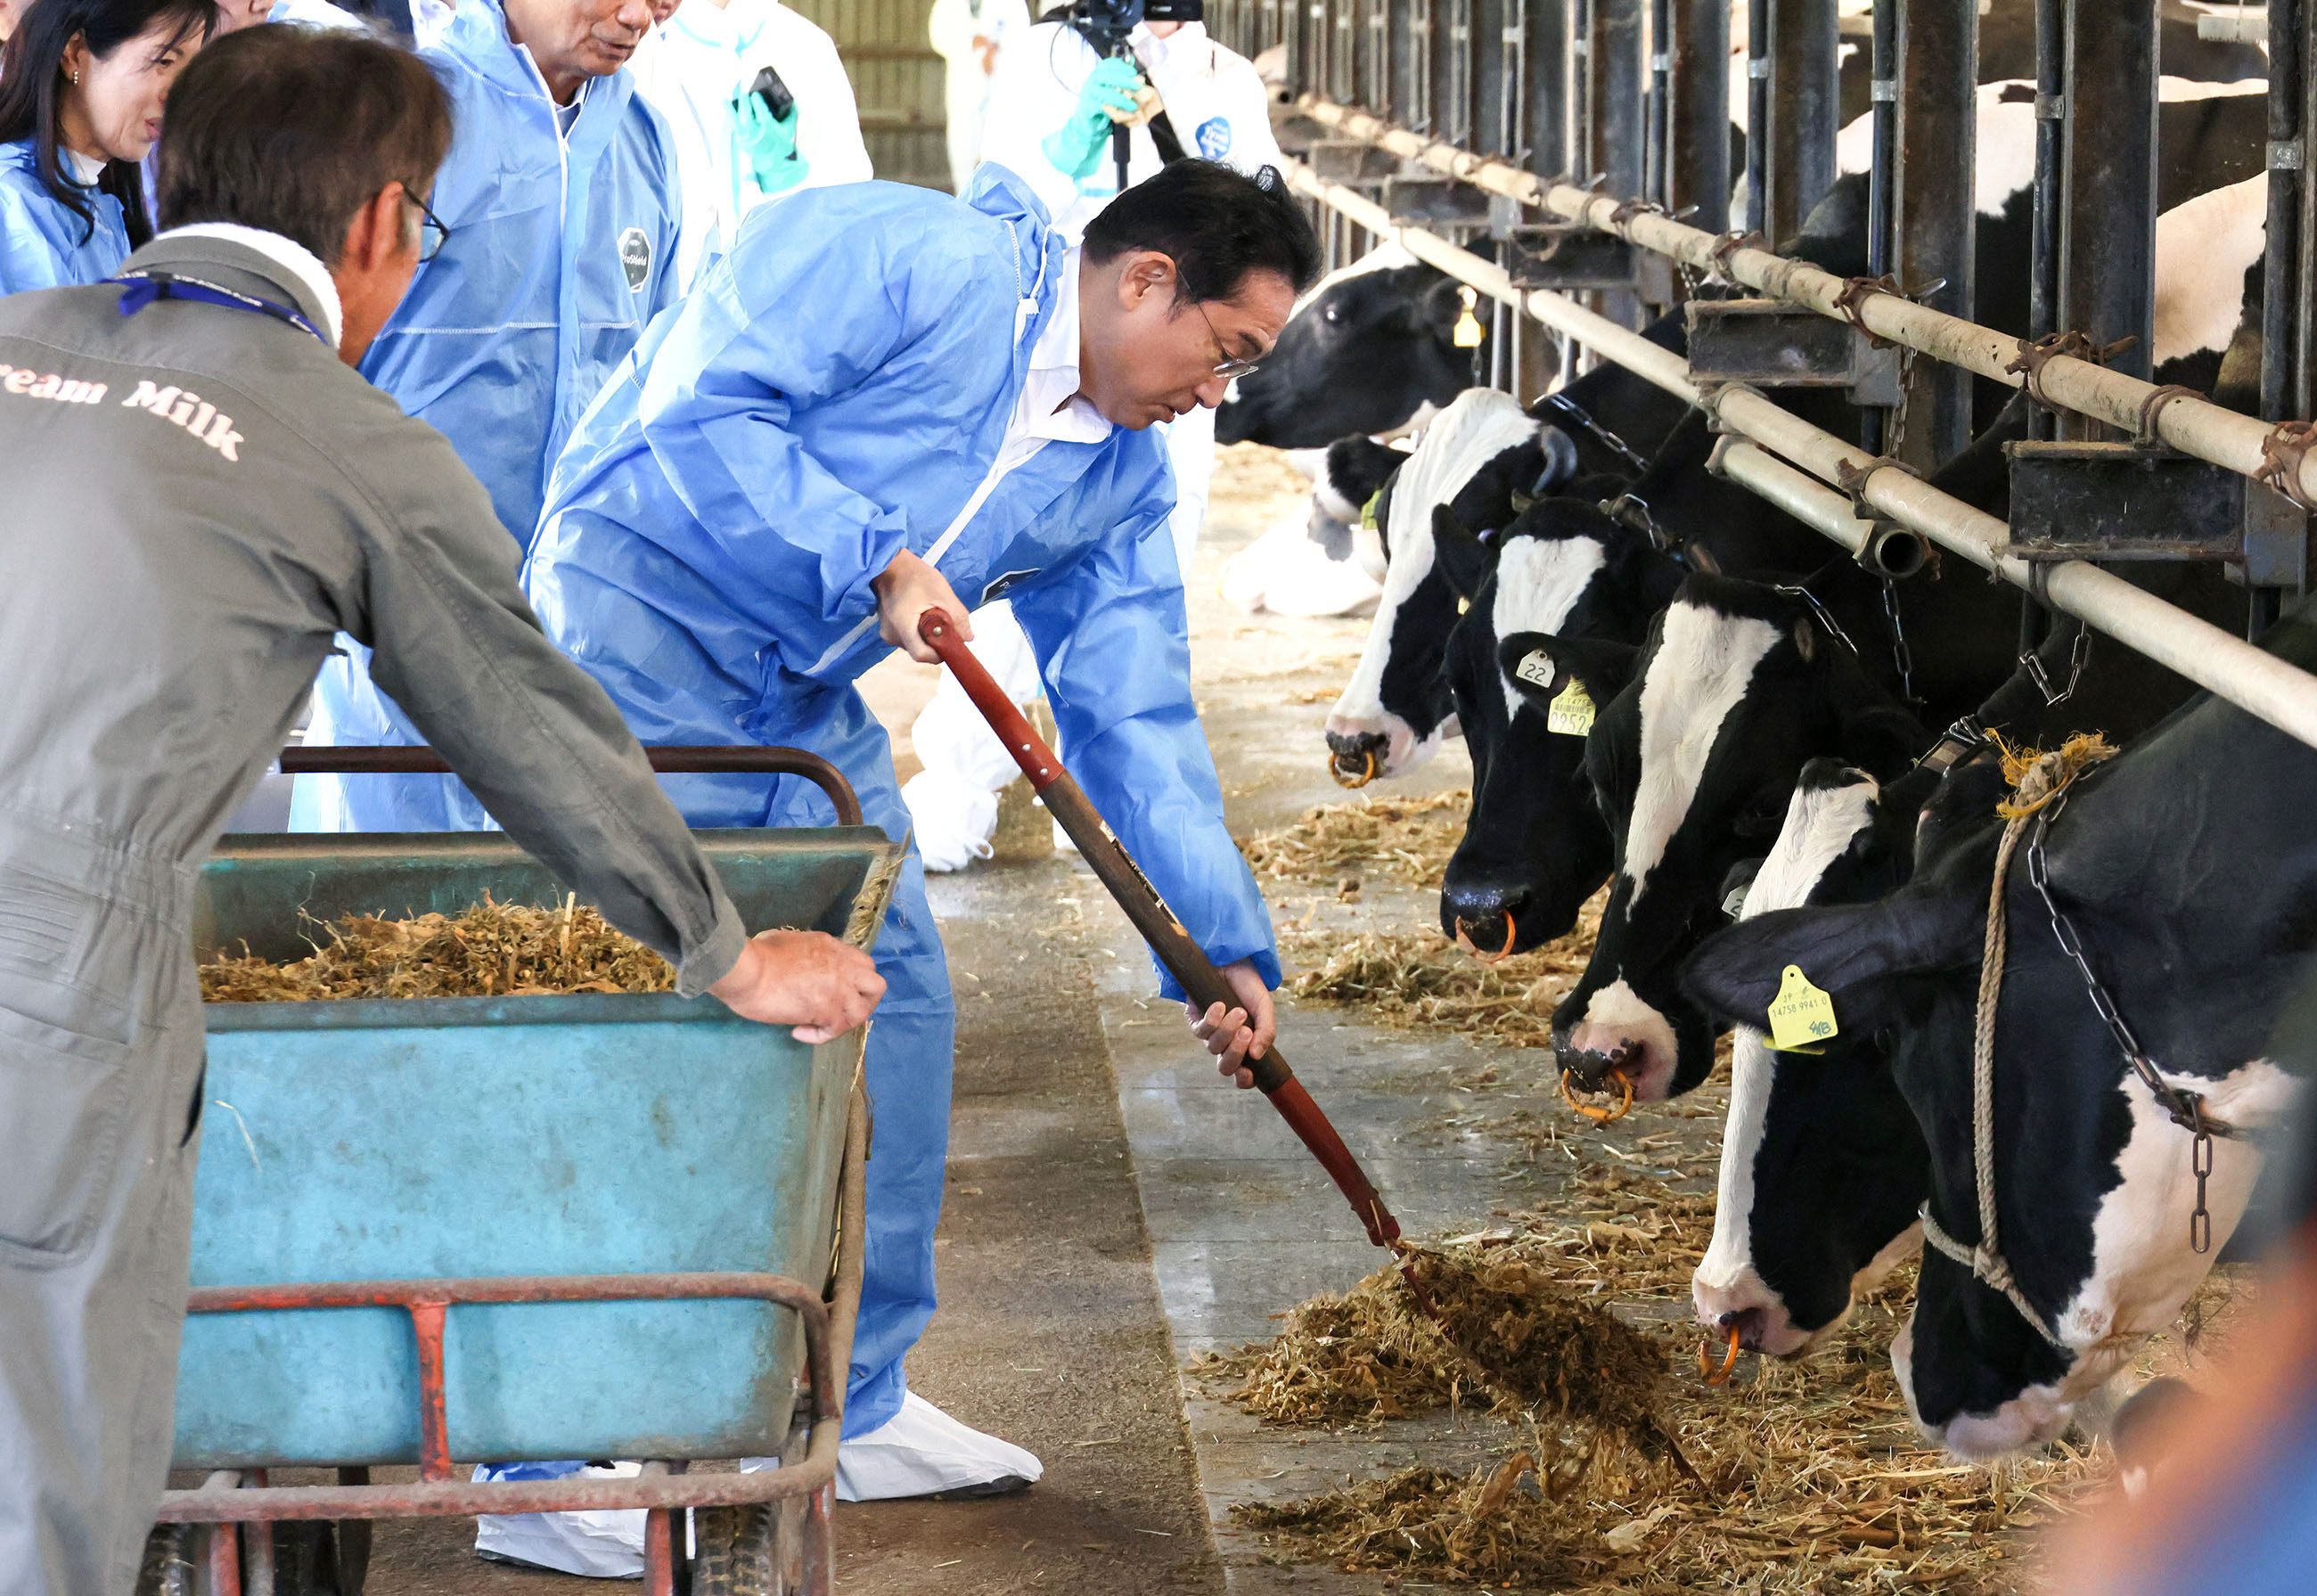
x: 200, y: 492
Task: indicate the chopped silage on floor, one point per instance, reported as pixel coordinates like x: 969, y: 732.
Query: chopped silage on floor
x: 1809, y: 1476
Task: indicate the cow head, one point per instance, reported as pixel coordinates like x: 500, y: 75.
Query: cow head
x: 1368, y: 353
x: 1460, y: 482
x: 1351, y: 475
x: 1570, y: 595
x: 1822, y: 1164
x: 1738, y: 685
x: 2091, y: 1178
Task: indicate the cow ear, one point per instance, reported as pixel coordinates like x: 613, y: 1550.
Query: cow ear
x: 1856, y: 952
x: 1540, y: 666
x: 1460, y: 555
x: 1876, y: 732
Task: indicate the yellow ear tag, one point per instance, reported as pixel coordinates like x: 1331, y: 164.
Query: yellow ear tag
x: 1468, y: 333
x: 1368, y: 510
x: 1571, y: 710
x: 1801, y: 1016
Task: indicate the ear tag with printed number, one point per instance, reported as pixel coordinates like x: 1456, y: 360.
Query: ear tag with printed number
x: 1801, y: 1016
x: 1571, y: 710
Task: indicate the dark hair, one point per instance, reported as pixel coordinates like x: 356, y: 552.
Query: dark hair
x: 33, y: 69
x: 295, y: 130
x: 1215, y: 224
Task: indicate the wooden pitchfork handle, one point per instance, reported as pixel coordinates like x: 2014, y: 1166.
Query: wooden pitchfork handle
x: 1126, y: 883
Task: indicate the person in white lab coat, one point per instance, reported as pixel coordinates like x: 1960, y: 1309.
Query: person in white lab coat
x: 1045, y: 122
x: 737, y: 145
x: 971, y: 35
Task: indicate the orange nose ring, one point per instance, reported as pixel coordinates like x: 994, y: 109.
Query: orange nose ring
x: 1718, y: 1377
x: 1601, y: 1115
x: 1464, y: 941
x: 1337, y: 770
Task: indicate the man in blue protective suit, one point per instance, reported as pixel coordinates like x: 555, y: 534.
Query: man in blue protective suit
x: 880, y: 399
x: 561, y: 204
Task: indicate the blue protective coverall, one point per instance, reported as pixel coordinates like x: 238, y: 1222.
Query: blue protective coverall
x: 560, y: 252
x: 834, y: 390
x: 43, y: 243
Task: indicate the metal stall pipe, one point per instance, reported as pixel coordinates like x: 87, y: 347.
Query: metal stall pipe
x: 1805, y: 106
x: 1935, y: 127
x: 2191, y: 424
x: 2108, y: 239
x: 2230, y: 668
x: 1697, y: 156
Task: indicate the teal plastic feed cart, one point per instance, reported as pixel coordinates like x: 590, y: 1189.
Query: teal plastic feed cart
x: 533, y: 1227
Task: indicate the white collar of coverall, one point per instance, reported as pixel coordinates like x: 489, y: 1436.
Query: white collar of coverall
x: 1052, y: 407
x: 1149, y: 48
x: 288, y: 253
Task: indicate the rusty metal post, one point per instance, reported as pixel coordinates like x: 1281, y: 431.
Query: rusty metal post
x: 1805, y: 106
x: 434, y: 1424
x: 1697, y: 161
x: 2107, y: 240
x: 1935, y: 117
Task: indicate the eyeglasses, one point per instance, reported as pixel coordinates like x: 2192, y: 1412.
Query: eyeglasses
x: 1228, y: 369
x: 432, y: 231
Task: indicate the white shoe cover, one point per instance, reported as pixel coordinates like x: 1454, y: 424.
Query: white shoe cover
x: 920, y: 1451
x: 605, y: 1544
x: 952, y: 822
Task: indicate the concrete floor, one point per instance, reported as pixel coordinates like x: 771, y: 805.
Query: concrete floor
x: 1114, y: 1210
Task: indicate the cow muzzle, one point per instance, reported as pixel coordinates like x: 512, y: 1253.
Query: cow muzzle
x: 1639, y: 1045
x: 1753, y: 1310
x: 1356, y: 759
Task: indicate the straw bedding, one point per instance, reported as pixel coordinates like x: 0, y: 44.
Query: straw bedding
x: 493, y: 950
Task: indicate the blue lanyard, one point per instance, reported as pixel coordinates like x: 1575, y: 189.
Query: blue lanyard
x: 142, y: 288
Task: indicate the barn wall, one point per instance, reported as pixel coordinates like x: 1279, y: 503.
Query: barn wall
x: 897, y: 78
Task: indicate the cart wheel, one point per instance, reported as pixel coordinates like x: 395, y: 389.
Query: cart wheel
x: 733, y: 1553
x: 168, y: 1566
x: 321, y: 1558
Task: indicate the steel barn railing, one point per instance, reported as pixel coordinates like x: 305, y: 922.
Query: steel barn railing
x: 1471, y: 112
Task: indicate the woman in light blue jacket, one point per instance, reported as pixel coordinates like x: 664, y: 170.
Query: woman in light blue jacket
x: 82, y: 84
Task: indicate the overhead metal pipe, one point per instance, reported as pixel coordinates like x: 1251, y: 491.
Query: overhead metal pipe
x: 2191, y: 424
x: 2260, y: 683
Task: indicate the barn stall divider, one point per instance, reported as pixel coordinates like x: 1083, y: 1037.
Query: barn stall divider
x: 1436, y: 123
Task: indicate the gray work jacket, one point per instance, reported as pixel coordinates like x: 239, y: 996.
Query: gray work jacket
x: 194, y: 500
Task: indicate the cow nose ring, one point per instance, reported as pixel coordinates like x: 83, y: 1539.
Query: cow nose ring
x: 1718, y: 1377
x: 1464, y: 941
x: 1335, y: 769
x: 1624, y: 1083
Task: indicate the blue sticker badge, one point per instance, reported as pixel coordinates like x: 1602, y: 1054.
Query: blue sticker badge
x: 1215, y: 137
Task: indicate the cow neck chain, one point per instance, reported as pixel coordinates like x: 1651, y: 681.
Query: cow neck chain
x: 2042, y: 793
x: 1583, y: 418
x: 1825, y: 616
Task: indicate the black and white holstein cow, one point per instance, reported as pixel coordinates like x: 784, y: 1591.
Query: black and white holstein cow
x: 1474, y: 457
x: 2188, y: 867
x: 1626, y: 1011
x: 1372, y: 350
x: 1823, y: 1166
x: 1396, y: 710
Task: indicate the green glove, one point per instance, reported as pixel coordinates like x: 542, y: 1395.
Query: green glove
x: 764, y: 146
x: 1076, y: 146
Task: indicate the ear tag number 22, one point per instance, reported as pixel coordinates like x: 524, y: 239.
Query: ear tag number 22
x: 1801, y: 1016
